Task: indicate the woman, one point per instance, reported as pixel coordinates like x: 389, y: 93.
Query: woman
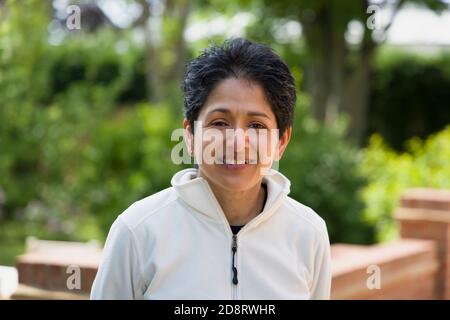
x: 226, y: 229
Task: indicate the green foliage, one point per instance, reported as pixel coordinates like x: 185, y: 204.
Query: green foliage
x: 53, y: 100
x: 412, y: 92
x: 100, y: 59
x: 424, y: 164
x: 128, y: 158
x: 324, y: 175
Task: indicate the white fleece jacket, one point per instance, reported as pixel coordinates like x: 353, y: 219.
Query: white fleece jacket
x: 177, y: 244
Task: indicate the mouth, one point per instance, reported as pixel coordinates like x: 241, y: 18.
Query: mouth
x: 236, y: 165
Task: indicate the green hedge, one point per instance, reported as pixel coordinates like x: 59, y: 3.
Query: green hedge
x: 128, y: 158
x: 410, y: 96
x: 424, y: 164
x: 324, y: 174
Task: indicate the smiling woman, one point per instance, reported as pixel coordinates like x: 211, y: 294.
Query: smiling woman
x: 226, y: 229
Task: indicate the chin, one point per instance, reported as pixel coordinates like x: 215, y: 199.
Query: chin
x: 232, y: 178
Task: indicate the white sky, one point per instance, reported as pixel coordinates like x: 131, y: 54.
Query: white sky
x: 420, y: 26
x: 412, y: 26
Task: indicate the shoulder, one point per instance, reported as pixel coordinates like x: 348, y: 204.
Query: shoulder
x: 306, y: 217
x: 145, y: 208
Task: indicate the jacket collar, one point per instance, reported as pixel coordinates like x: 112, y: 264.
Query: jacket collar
x: 196, y: 193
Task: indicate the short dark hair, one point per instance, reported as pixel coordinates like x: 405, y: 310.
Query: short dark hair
x: 240, y: 58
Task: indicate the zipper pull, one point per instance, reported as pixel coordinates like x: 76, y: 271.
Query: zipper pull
x: 234, y: 249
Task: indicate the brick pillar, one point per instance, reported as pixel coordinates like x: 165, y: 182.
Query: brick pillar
x: 425, y: 214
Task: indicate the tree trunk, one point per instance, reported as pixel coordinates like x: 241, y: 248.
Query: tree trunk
x: 335, y: 86
x: 159, y: 77
x: 355, y: 100
x: 317, y: 82
x: 177, y: 71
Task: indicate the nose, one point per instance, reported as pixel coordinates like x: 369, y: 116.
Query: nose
x: 239, y: 139
x: 236, y: 143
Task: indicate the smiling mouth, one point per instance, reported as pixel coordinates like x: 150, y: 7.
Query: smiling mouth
x: 236, y: 163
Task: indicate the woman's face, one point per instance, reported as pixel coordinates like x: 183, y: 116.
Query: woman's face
x: 236, y: 137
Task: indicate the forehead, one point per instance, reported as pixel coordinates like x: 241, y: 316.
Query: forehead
x: 239, y: 96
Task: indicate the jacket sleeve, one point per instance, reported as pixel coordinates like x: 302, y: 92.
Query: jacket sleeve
x: 119, y: 275
x: 321, y: 284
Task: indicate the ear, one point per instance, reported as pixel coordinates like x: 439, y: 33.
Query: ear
x: 283, y: 142
x: 188, y: 136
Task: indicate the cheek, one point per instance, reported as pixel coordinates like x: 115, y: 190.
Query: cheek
x: 209, y: 146
x: 265, y: 144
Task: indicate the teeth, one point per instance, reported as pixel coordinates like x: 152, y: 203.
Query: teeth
x: 233, y: 162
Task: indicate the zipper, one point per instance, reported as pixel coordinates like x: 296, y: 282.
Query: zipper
x: 234, y: 280
x: 233, y: 267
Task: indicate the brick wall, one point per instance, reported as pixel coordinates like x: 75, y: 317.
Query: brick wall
x: 49, y: 265
x: 406, y: 268
x: 415, y: 267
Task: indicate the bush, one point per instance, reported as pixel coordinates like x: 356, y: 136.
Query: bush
x: 53, y: 100
x: 424, y: 164
x: 324, y: 175
x: 410, y: 95
x: 128, y: 158
x: 72, y: 156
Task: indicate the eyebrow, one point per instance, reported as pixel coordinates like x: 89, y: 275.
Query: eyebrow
x: 250, y: 113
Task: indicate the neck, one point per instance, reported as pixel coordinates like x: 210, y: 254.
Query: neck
x: 239, y: 206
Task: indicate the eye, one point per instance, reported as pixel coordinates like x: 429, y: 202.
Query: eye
x: 257, y: 126
x: 219, y: 123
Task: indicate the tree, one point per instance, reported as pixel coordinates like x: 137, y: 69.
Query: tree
x: 163, y: 23
x: 337, y: 73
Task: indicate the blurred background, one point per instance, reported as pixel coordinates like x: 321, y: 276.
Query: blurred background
x: 90, y: 92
